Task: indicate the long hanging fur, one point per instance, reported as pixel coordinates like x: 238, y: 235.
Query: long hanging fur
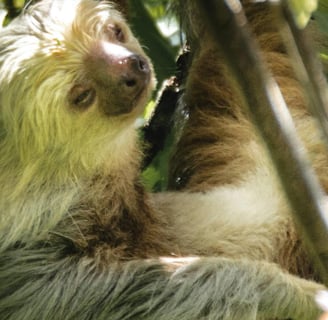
x: 79, y: 236
x: 219, y: 145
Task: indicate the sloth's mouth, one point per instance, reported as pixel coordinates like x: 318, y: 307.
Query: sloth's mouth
x: 137, y: 103
x: 143, y: 90
x: 133, y: 103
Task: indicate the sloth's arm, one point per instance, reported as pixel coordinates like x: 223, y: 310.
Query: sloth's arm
x: 37, y: 284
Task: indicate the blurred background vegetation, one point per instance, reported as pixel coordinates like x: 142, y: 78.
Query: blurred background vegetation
x: 158, y: 30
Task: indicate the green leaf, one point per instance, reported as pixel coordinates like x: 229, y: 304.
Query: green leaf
x: 156, y: 46
x: 303, y: 10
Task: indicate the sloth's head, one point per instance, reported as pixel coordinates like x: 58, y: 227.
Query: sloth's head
x: 73, y: 80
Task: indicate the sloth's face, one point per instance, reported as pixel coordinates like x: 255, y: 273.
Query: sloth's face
x: 116, y: 75
x: 119, y: 79
x: 72, y: 77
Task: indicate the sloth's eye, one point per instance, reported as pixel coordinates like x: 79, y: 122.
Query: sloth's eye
x: 116, y: 32
x: 82, y: 97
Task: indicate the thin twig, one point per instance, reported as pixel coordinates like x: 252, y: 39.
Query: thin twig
x: 306, y: 64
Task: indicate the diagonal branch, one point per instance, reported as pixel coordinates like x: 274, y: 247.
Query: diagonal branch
x: 306, y: 64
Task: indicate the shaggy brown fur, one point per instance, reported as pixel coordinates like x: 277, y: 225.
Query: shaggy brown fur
x: 79, y: 236
x: 219, y: 145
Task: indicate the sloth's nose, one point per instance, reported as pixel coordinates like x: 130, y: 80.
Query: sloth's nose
x: 136, y: 72
x: 137, y: 63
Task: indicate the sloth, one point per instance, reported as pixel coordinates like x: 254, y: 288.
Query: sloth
x: 80, y: 238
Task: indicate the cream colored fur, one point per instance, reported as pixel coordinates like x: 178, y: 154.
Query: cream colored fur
x: 234, y: 220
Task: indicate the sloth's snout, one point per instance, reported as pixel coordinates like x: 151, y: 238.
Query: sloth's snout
x: 120, y: 76
x: 114, y: 65
x: 136, y: 73
x: 137, y: 64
